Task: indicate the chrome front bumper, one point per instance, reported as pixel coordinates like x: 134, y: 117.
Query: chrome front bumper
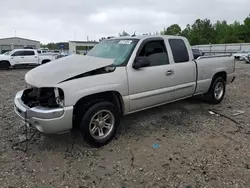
x: 45, y: 120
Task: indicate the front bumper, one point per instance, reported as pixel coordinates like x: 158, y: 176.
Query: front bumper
x: 45, y: 120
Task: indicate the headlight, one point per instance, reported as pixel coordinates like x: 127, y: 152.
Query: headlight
x: 59, y: 96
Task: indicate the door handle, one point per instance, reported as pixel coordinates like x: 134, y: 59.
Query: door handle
x: 22, y: 57
x: 169, y: 73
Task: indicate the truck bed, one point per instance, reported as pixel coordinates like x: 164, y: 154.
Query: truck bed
x: 208, y: 66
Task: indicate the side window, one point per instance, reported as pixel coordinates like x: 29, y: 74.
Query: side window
x: 179, y: 50
x: 39, y: 51
x: 156, y: 53
x: 29, y: 53
x: 18, y: 53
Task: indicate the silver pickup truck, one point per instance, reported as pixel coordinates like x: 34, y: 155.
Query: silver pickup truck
x: 117, y: 77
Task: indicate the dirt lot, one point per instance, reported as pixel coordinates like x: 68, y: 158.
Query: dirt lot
x: 177, y: 145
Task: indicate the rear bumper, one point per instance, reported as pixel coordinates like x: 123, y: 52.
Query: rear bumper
x: 231, y: 78
x: 45, y: 120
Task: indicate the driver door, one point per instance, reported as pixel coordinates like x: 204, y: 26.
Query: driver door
x: 151, y: 86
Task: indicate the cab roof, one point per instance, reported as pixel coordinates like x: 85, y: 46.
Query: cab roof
x: 148, y: 36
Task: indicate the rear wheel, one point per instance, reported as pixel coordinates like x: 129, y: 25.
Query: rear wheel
x: 45, y: 61
x: 4, y: 65
x: 99, y: 123
x: 217, y: 91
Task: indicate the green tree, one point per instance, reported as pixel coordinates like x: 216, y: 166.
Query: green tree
x: 174, y: 29
x: 56, y: 46
x: 247, y: 29
x: 204, y: 32
x: 124, y: 33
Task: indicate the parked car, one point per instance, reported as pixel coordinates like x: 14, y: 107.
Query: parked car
x: 22, y: 57
x: 245, y: 58
x: 118, y: 77
x: 239, y: 54
x: 197, y: 53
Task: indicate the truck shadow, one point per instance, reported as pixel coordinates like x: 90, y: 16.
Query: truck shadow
x: 186, y: 105
x: 134, y: 125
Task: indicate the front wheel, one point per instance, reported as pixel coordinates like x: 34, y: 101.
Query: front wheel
x: 217, y: 91
x: 4, y: 65
x: 99, y: 123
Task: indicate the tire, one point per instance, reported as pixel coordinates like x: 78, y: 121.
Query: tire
x: 45, y: 61
x: 91, y: 124
x: 216, y: 91
x: 4, y: 65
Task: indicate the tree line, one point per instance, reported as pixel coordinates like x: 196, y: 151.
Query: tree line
x: 202, y: 31
x: 205, y: 32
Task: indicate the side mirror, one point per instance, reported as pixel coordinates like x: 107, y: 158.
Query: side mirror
x: 141, y: 62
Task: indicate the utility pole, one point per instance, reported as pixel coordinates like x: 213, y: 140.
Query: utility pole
x: 74, y: 35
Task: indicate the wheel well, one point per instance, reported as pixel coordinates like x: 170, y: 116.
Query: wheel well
x: 222, y: 74
x: 5, y: 61
x: 84, y: 103
x: 46, y: 61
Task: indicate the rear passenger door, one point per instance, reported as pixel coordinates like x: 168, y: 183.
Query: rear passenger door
x: 30, y: 57
x: 150, y: 86
x: 184, y: 68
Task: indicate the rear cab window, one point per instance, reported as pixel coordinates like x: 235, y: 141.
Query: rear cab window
x: 179, y: 50
x: 29, y: 53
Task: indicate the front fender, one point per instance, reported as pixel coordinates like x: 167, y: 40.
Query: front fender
x: 82, y: 87
x: 71, y: 98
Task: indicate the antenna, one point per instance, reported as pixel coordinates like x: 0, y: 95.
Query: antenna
x: 15, y: 33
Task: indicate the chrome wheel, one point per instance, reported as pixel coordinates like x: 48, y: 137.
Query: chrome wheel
x: 101, y: 124
x: 218, y: 90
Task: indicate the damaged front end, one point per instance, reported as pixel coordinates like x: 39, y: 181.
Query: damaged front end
x: 44, y: 97
x: 43, y: 109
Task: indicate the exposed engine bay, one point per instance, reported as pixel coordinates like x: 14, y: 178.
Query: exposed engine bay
x: 45, y: 97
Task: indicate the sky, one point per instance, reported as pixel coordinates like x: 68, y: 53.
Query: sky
x: 64, y: 20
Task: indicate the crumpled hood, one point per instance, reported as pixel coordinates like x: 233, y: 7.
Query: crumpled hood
x: 50, y: 74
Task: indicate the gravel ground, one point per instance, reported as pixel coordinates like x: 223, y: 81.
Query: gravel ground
x: 177, y: 145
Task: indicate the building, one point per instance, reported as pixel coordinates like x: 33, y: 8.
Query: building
x: 12, y: 43
x: 81, y: 46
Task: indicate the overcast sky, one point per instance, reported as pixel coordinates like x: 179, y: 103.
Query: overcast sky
x: 56, y: 20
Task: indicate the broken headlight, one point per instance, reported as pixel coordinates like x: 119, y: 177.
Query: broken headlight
x: 46, y: 97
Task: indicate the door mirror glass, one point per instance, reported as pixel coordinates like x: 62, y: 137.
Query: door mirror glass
x: 141, y: 62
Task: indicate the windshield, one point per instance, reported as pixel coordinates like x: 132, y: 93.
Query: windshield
x: 117, y: 49
x: 8, y: 53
